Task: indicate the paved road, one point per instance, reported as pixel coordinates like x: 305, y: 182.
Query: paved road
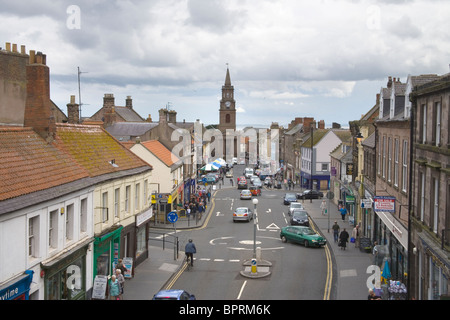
x: 223, y: 247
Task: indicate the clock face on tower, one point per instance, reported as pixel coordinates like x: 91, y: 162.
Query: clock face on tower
x: 228, y: 104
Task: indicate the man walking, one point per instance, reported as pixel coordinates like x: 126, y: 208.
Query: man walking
x: 336, y: 231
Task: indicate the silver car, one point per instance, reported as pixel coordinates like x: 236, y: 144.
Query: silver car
x: 294, y: 205
x: 242, y: 214
x: 246, y: 194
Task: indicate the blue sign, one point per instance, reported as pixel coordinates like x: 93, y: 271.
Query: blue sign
x: 172, y: 216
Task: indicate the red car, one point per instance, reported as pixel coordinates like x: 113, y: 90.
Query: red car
x: 255, y: 191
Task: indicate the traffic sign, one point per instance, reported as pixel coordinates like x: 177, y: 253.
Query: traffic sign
x: 172, y: 216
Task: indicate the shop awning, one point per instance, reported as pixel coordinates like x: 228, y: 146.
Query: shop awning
x: 400, y: 232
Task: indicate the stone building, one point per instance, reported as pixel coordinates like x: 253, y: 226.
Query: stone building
x: 430, y: 204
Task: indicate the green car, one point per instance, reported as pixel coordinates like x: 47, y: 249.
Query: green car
x: 302, y: 235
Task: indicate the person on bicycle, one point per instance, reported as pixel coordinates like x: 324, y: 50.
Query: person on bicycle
x: 190, y: 250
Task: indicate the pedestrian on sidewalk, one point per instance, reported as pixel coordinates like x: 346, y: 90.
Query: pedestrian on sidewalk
x: 343, y: 211
x: 121, y: 280
x: 356, y: 234
x: 343, y: 239
x: 375, y: 253
x: 336, y: 229
x: 121, y: 266
x: 114, y: 289
x: 323, y: 206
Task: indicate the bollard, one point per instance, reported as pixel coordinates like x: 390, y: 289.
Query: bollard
x: 258, y: 253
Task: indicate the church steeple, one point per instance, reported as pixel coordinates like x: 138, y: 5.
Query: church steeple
x: 227, y: 78
x: 227, y: 111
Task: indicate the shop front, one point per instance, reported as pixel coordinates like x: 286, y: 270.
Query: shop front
x: 65, y: 277
x: 17, y: 289
x: 106, y: 251
x: 391, y: 234
x: 142, y: 225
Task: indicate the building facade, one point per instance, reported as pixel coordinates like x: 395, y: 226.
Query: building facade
x: 430, y: 210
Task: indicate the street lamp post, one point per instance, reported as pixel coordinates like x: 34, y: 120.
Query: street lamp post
x: 255, y: 203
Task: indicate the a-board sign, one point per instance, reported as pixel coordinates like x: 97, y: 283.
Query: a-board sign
x: 100, y: 287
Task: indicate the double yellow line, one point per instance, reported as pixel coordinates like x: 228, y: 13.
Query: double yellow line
x: 329, y: 280
x: 184, y: 266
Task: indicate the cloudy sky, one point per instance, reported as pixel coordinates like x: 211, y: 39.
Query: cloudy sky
x: 325, y: 59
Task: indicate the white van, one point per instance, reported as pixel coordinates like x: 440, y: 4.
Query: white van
x: 248, y: 172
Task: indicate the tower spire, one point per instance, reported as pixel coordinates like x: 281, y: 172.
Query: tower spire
x: 227, y: 78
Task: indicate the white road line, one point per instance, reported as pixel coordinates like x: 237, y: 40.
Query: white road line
x: 242, y: 289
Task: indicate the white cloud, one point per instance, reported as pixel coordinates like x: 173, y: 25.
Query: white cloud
x: 286, y: 53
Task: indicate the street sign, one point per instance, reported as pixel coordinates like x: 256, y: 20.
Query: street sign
x: 366, y: 203
x: 330, y: 195
x: 172, y: 216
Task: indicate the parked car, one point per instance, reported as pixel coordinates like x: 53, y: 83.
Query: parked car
x: 302, y: 235
x: 255, y: 190
x: 294, y: 205
x: 242, y: 184
x: 242, y: 214
x: 289, y: 197
x: 245, y: 194
x: 299, y: 217
x: 310, y: 194
x: 173, y: 294
x: 229, y: 174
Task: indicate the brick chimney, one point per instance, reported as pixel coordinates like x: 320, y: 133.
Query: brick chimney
x: 38, y: 112
x: 73, y: 111
x: 129, y: 102
x: 321, y: 124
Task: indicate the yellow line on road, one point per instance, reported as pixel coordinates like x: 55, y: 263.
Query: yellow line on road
x: 329, y: 280
x: 183, y: 268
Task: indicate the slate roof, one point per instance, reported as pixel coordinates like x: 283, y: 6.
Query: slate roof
x: 128, y: 114
x: 369, y: 141
x: 130, y: 129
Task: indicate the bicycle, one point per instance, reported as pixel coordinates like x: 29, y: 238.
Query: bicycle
x: 187, y: 261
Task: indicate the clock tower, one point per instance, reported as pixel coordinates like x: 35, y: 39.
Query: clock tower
x: 227, y: 111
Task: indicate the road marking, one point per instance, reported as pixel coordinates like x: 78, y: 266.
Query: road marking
x: 242, y: 289
x: 348, y: 273
x: 273, y: 226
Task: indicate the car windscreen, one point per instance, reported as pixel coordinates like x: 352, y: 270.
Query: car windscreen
x: 300, y: 214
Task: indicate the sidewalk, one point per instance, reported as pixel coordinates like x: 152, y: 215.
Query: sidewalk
x: 349, y: 270
x: 350, y: 264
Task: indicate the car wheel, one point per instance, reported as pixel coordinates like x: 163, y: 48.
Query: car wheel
x: 283, y: 239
